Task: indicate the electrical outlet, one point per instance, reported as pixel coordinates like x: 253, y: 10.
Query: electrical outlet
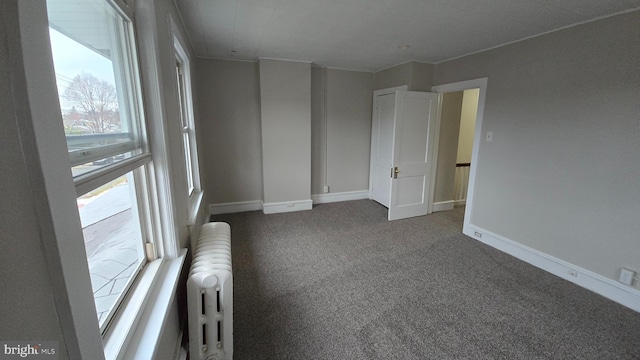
x: 326, y: 188
x: 626, y: 276
x: 489, y: 135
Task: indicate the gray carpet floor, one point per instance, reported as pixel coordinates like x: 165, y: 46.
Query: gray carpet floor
x: 341, y: 282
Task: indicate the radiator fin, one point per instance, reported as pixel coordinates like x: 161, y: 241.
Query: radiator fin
x: 210, y: 295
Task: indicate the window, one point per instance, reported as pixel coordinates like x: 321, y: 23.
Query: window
x: 186, y: 119
x: 98, y: 85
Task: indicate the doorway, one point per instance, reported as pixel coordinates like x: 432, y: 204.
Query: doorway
x: 457, y: 124
x: 481, y: 85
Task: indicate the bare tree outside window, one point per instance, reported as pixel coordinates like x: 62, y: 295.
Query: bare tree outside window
x: 95, y: 104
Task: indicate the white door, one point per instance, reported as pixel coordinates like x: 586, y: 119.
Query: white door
x: 382, y: 147
x: 410, y: 173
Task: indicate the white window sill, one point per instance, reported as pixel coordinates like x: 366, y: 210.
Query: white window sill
x: 136, y: 331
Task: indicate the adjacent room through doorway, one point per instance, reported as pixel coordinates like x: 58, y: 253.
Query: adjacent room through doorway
x: 453, y: 145
x: 458, y: 110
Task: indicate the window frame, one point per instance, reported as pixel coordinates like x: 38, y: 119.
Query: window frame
x: 126, y: 309
x: 186, y: 115
x: 185, y: 125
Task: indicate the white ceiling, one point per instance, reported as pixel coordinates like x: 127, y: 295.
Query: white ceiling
x: 366, y: 34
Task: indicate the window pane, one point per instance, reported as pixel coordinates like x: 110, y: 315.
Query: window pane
x: 187, y: 131
x: 188, y: 161
x: 113, y: 241
x: 90, y: 42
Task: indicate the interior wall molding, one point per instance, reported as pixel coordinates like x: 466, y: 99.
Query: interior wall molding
x: 611, y: 289
x: 443, y: 205
x: 340, y: 196
x: 234, y: 207
x: 287, y: 206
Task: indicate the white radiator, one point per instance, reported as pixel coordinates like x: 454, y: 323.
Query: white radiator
x: 210, y: 295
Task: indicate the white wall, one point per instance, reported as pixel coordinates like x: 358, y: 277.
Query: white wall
x: 285, y: 117
x: 418, y: 76
x: 421, y: 76
x: 561, y: 174
x: 448, y: 145
x: 229, y: 105
x: 349, y: 103
x: 341, y: 130
x: 319, y: 162
x: 467, y: 125
x: 394, y: 76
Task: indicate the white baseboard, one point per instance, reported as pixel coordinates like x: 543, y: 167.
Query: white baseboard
x: 443, y: 205
x: 287, y: 206
x: 341, y: 196
x: 587, y: 279
x: 459, y: 202
x: 241, y: 206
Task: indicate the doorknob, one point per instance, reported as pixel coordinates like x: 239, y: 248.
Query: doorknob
x: 395, y: 172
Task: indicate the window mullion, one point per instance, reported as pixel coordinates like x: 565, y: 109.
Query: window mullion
x: 87, y: 182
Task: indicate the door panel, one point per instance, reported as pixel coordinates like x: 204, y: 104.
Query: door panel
x: 412, y: 138
x: 410, y: 190
x: 386, y: 106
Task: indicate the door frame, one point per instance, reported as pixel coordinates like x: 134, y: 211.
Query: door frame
x: 373, y: 111
x: 481, y: 84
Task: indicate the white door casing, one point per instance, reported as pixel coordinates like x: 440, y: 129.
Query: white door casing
x: 481, y: 84
x: 413, y: 136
